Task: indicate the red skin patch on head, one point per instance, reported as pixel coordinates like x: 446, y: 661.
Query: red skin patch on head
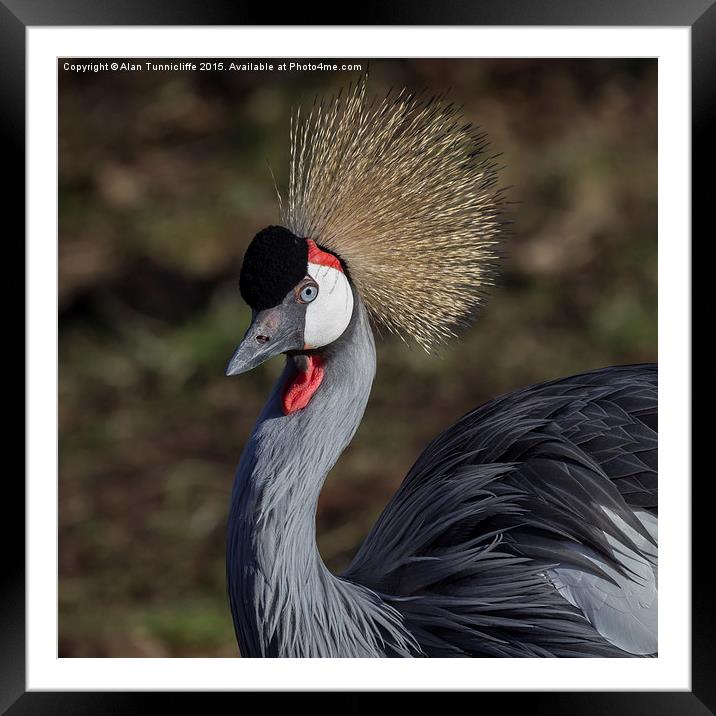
x: 322, y: 258
x: 302, y: 386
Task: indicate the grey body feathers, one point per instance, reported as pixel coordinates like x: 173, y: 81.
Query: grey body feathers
x: 528, y: 528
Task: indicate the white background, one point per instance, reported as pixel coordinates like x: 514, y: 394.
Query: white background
x: 671, y: 670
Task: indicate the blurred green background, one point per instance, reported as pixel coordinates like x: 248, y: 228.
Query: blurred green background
x: 163, y: 180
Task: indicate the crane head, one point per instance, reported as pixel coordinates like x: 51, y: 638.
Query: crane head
x: 300, y: 296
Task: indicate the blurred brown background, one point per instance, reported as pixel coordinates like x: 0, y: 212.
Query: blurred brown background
x: 164, y: 180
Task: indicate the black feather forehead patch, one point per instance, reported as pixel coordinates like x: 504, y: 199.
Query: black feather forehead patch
x: 275, y: 261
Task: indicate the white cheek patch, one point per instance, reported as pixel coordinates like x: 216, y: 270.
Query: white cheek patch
x: 329, y: 314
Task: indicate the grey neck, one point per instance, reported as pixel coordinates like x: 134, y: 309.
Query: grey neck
x: 284, y: 600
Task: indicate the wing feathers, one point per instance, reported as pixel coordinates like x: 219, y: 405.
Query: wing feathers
x: 529, y: 527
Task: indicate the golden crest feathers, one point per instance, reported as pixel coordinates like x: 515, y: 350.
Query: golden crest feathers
x: 402, y: 191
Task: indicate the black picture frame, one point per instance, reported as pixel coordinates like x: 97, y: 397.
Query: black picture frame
x: 17, y: 15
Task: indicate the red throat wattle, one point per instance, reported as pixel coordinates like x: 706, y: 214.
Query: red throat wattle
x: 302, y: 386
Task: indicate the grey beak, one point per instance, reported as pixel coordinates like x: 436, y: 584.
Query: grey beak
x: 269, y: 334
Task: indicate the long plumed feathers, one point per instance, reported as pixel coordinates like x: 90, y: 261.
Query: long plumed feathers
x: 402, y: 190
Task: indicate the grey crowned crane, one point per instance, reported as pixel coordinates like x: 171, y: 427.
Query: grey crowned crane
x: 528, y: 528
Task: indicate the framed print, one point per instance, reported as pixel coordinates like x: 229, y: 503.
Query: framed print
x: 205, y: 192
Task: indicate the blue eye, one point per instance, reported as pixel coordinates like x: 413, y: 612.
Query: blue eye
x: 308, y: 293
